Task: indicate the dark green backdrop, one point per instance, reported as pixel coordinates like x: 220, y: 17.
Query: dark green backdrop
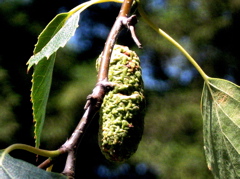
x: 172, y: 145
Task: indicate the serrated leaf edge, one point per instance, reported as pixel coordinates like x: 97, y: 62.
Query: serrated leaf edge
x: 47, y: 51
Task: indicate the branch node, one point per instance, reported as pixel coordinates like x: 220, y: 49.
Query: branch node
x: 69, y: 169
x: 98, y: 93
x: 130, y: 23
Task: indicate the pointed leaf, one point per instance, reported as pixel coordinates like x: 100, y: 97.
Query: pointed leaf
x: 11, y: 168
x: 55, y: 35
x: 41, y: 83
x: 221, y: 123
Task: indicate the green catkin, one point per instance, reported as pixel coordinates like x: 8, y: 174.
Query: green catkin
x: 122, y: 111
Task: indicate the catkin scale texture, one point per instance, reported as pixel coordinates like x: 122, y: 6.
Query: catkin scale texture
x: 122, y: 112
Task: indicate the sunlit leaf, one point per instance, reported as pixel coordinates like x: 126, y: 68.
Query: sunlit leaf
x: 11, y: 168
x: 221, y: 126
x: 55, y: 35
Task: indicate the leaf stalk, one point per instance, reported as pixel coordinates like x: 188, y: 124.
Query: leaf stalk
x: 37, y: 151
x: 171, y: 40
x: 85, y: 5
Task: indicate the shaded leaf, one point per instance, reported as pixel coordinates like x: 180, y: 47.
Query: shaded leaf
x: 221, y: 127
x: 41, y: 83
x: 55, y: 35
x: 11, y: 168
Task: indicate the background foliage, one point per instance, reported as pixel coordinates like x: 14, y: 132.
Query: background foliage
x: 172, y: 145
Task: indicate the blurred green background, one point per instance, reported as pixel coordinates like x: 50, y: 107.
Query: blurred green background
x: 172, y: 144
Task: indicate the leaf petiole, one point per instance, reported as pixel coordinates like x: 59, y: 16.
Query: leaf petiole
x: 85, y: 5
x: 171, y: 40
x: 37, y: 151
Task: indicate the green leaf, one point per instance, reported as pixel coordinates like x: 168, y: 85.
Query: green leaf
x: 41, y: 83
x: 11, y: 168
x: 55, y: 35
x: 221, y: 127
